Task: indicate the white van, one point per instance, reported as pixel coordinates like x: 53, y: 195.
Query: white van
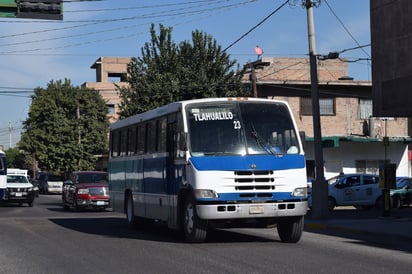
x: 19, y: 189
x: 359, y: 190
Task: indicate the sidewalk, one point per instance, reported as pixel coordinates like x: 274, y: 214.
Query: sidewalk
x: 366, y: 222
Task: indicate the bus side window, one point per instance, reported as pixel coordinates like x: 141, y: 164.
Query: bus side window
x: 141, y: 139
x: 151, y: 136
x: 115, y: 141
x: 162, y: 135
x: 131, y: 139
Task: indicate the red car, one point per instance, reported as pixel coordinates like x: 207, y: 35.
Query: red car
x: 86, y: 190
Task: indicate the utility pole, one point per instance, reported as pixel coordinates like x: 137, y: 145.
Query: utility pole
x: 10, y: 129
x: 79, y: 141
x: 320, y: 188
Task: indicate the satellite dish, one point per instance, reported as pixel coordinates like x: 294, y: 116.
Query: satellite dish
x: 258, y: 51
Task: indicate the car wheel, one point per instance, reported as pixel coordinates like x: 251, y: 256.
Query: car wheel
x: 379, y: 202
x: 396, y: 202
x: 75, y: 205
x: 408, y: 199
x: 64, y: 203
x: 194, y: 229
x: 290, y: 230
x: 331, y: 203
x: 30, y: 204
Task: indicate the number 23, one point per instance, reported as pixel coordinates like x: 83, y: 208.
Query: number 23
x: 236, y: 125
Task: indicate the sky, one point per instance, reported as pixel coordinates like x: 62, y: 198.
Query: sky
x: 34, y: 52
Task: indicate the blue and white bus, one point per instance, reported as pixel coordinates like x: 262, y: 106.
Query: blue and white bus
x: 206, y: 163
x: 3, y: 176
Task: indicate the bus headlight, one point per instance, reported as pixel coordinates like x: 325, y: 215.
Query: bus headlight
x: 301, y: 191
x: 205, y: 193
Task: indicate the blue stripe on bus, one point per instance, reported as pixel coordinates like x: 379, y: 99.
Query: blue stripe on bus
x: 249, y: 162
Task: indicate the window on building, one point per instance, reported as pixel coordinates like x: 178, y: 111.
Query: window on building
x: 368, y: 166
x: 365, y: 109
x: 116, y: 77
x: 111, y: 108
x: 326, y: 106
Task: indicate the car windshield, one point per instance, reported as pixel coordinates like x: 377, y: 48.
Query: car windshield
x: 55, y: 178
x: 240, y: 128
x: 92, y: 178
x: 17, y: 179
x: 402, y: 183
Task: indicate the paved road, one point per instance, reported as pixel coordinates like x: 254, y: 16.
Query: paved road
x: 46, y: 239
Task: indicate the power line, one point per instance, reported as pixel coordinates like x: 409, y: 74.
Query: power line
x: 346, y: 29
x: 143, y: 7
x: 178, y: 13
x: 260, y: 23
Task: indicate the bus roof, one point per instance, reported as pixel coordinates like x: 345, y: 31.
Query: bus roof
x: 175, y: 106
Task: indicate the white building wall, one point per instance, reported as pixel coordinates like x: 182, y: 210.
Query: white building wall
x: 344, y: 157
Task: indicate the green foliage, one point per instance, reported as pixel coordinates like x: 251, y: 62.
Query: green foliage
x: 15, y: 159
x: 167, y: 72
x: 67, y: 126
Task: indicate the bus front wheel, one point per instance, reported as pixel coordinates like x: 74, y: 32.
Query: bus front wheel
x: 131, y: 219
x: 194, y: 229
x: 291, y: 230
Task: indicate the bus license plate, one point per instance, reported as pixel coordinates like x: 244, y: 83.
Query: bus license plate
x: 256, y: 209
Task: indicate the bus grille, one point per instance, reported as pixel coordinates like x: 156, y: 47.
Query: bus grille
x: 255, y: 180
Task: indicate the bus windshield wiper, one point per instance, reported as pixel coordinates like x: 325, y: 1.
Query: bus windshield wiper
x: 259, y: 140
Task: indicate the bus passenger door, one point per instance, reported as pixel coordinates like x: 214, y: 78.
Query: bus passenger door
x: 175, y: 163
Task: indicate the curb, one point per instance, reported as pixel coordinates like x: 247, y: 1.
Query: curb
x: 353, y: 230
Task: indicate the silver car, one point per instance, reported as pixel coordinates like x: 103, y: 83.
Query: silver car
x: 50, y: 183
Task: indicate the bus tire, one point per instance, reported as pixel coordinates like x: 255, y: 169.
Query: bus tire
x: 195, y: 229
x: 131, y: 219
x: 291, y: 229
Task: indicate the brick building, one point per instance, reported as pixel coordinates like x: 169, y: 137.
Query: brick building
x: 352, y: 138
x: 110, y: 71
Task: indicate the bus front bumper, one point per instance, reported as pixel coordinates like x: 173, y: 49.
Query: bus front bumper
x: 251, y: 210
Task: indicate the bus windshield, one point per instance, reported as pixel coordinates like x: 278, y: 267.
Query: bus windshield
x: 239, y: 128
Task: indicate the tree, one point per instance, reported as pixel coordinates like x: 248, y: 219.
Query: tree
x: 167, y: 72
x: 15, y: 159
x: 66, y: 128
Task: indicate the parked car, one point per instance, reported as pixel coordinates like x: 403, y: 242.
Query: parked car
x: 50, y: 183
x: 359, y: 190
x: 401, y: 196
x: 19, y: 189
x: 35, y: 186
x: 87, y: 190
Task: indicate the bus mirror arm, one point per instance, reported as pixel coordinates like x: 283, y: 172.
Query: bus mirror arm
x: 183, y: 141
x: 302, y: 137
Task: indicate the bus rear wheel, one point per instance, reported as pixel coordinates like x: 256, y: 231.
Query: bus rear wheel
x: 195, y: 229
x: 291, y: 230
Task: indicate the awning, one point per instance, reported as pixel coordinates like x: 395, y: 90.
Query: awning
x: 333, y: 141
